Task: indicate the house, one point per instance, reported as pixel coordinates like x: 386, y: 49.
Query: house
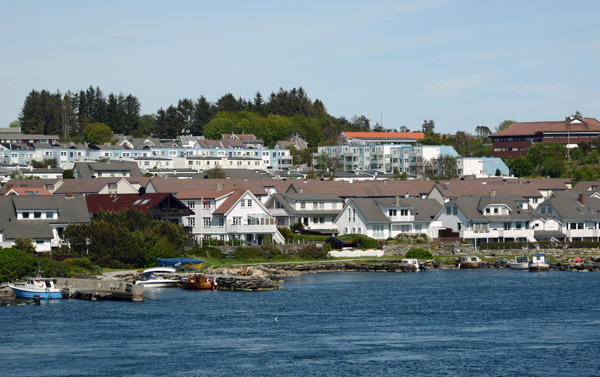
x: 49, y: 184
x: 382, y: 218
x: 570, y: 216
x: 241, y: 141
x: 88, y: 186
x: 164, y: 207
x: 106, y: 169
x: 229, y: 215
x: 294, y: 141
x: 488, y: 218
x: 520, y: 136
x: 31, y: 191
x: 316, y: 211
x: 42, y: 218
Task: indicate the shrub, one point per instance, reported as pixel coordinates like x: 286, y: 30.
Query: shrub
x: 418, y: 254
x: 286, y: 233
x: 207, y: 252
x: 361, y: 241
x: 247, y: 253
x: 312, y: 252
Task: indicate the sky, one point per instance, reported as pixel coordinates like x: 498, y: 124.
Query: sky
x: 459, y: 63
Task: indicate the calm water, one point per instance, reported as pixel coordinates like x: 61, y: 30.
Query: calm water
x: 480, y: 322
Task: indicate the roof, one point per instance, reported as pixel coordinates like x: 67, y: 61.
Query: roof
x: 370, y: 210
x: 86, y: 186
x: 569, y: 207
x: 385, y: 135
x: 472, y: 206
x: 202, y: 194
x: 29, y: 191
x: 422, y: 209
x: 71, y: 210
x: 531, y: 128
x: 118, y: 202
x: 307, y: 212
x: 256, y: 186
x: 229, y: 202
x: 85, y: 168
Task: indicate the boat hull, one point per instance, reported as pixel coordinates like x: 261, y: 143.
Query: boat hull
x: 157, y: 284
x: 29, y: 293
x: 199, y: 283
x: 519, y: 266
x: 468, y: 265
x: 537, y: 267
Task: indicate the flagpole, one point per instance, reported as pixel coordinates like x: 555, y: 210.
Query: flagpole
x: 201, y: 222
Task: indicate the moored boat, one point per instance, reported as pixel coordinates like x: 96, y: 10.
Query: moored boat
x: 538, y: 263
x: 519, y: 263
x: 199, y: 282
x: 37, y: 286
x: 468, y: 262
x: 411, y: 263
x: 151, y: 279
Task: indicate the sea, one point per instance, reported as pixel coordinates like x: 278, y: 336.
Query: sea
x: 433, y: 323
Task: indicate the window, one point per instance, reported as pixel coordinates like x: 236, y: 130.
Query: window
x: 49, y: 215
x: 506, y: 226
x: 448, y: 210
x: 191, y: 204
x: 191, y: 221
x: 221, y: 221
x: 321, y: 205
x: 206, y: 222
x: 495, y: 211
x: 487, y: 210
x: 455, y: 210
x: 302, y: 205
x: 249, y: 202
x: 392, y: 212
x: 25, y: 215
x: 321, y: 220
x: 404, y: 212
x: 315, y: 220
x: 37, y: 215
x: 243, y: 203
x: 418, y: 227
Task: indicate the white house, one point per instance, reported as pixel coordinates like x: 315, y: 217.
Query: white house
x: 227, y: 215
x: 316, y: 211
x: 40, y: 217
x: 382, y: 218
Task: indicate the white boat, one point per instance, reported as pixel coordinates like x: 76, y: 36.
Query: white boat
x: 151, y: 279
x: 470, y: 261
x: 410, y: 262
x: 538, y: 263
x: 36, y: 286
x: 519, y: 263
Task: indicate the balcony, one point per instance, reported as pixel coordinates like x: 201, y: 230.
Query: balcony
x: 251, y: 228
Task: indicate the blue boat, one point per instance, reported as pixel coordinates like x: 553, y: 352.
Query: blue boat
x: 37, y: 286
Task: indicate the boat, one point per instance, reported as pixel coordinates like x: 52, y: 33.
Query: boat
x: 519, y: 263
x: 151, y: 279
x: 199, y: 282
x: 538, y: 263
x: 411, y: 263
x: 44, y: 288
x: 468, y: 262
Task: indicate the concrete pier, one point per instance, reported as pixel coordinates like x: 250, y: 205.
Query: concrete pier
x: 100, y: 288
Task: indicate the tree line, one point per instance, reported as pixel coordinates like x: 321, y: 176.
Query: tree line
x: 277, y: 117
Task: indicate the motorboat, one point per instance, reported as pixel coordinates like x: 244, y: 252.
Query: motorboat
x: 199, y: 282
x: 44, y: 288
x: 519, y: 263
x: 151, y: 279
x: 468, y: 262
x: 410, y: 263
x: 538, y: 263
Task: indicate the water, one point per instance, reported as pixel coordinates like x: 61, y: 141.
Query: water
x: 479, y: 322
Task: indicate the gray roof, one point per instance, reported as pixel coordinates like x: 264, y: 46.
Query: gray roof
x: 567, y: 205
x: 281, y: 198
x: 85, y: 168
x: 370, y: 210
x: 296, y: 196
x: 421, y: 209
x: 70, y: 210
x: 473, y: 206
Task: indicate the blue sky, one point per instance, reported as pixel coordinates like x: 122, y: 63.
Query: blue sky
x: 460, y: 63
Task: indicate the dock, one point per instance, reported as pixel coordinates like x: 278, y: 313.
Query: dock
x: 100, y: 288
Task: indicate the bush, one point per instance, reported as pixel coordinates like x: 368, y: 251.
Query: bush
x: 286, y: 233
x: 312, y: 252
x: 418, y: 254
x: 207, y: 252
x: 361, y: 241
x: 247, y: 253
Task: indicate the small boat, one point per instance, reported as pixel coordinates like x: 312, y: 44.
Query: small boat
x: 151, y: 279
x: 519, y: 263
x: 37, y: 286
x: 538, y: 263
x: 411, y: 263
x: 199, y: 282
x: 468, y: 262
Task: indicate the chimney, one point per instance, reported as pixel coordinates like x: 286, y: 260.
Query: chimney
x: 406, y: 195
x: 219, y: 186
x: 300, y: 190
x: 69, y: 194
x: 581, y: 201
x: 397, y: 202
x: 492, y: 193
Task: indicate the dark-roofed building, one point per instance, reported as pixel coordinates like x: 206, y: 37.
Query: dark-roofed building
x: 488, y: 218
x: 520, y: 136
x: 164, y: 207
x: 106, y: 169
x: 381, y: 218
x: 39, y: 217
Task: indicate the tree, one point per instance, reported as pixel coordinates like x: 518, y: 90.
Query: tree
x: 97, y: 133
x: 464, y: 144
x: 68, y: 174
x: 428, y: 126
x: 15, y: 124
x: 25, y: 245
x: 258, y: 104
x: 576, y: 115
x: 227, y: 103
x: 505, y: 124
x: 482, y: 132
x: 326, y: 165
x: 215, y: 173
x: 443, y: 167
x: 520, y: 166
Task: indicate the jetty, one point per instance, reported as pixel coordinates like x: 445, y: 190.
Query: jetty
x: 100, y: 288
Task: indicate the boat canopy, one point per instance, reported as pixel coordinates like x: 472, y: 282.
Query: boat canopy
x: 179, y: 262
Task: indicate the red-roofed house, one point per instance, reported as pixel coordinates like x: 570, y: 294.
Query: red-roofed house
x: 364, y: 138
x: 163, y: 206
x: 27, y: 191
x: 227, y: 215
x: 518, y: 138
